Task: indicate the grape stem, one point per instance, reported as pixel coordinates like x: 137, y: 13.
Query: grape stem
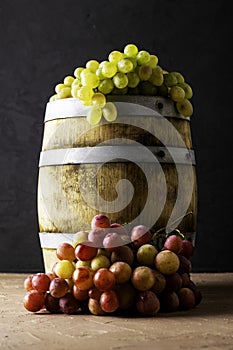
x: 158, y: 232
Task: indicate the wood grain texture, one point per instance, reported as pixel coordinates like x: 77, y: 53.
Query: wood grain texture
x: 66, y: 191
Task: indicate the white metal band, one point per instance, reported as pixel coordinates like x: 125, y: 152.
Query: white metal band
x: 51, y: 240
x: 129, y: 106
x: 103, y: 154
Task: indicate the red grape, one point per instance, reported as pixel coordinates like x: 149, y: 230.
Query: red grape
x: 83, y: 277
x: 65, y: 251
x: 140, y: 235
x: 109, y: 301
x: 86, y: 251
x: 100, y: 220
x: 41, y: 282
x: 68, y: 304
x: 33, y: 300
x: 147, y: 303
x: 96, y: 235
x: 112, y: 241
x: 187, y: 249
x: 95, y: 308
x: 28, y: 283
x: 173, y: 243
x: 58, y: 287
x: 52, y: 304
x: 104, y: 279
x: 79, y: 294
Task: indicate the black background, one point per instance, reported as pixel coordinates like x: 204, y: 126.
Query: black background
x: 43, y: 41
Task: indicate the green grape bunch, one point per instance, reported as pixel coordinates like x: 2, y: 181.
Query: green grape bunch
x: 131, y: 72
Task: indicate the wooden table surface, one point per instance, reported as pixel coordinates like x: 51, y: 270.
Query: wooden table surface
x: 208, y: 326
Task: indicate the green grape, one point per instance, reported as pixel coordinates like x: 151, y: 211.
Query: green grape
x: 144, y: 72
x: 176, y: 93
x: 68, y: 80
x: 143, y: 57
x: 59, y: 87
x: 102, y: 63
x: 76, y: 83
x: 87, y: 102
x: 131, y: 50
x: 110, y: 112
x: 156, y: 77
x: 65, y: 92
x: 170, y: 79
x: 99, y: 73
x: 120, y: 80
x: 94, y: 115
x: 92, y: 65
x: 179, y: 77
x: 133, y: 79
x: 134, y: 61
x: 115, y: 56
x: 85, y: 93
x: 187, y: 89
x: 106, y: 86
x: 125, y: 65
x: 109, y: 69
x: 78, y: 71
x: 153, y: 61
x: 99, y: 99
x: 89, y: 79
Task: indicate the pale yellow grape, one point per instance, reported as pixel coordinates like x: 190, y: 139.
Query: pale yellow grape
x: 115, y: 56
x: 87, y: 102
x: 80, y: 236
x: 89, y: 79
x: 78, y: 71
x: 134, y: 61
x: 94, y: 115
x: 109, y: 69
x: 125, y: 65
x: 83, y: 263
x: 106, y: 86
x: 99, y: 73
x: 59, y: 87
x: 64, y: 269
x: 65, y: 92
x: 85, y: 93
x: 131, y: 50
x: 120, y: 80
x: 102, y: 63
x: 110, y: 111
x: 143, y: 57
x: 93, y: 65
x: 99, y: 99
x: 153, y: 61
x: 74, y: 91
x: 68, y: 80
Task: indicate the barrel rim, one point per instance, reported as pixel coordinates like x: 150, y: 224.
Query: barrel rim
x: 73, y: 107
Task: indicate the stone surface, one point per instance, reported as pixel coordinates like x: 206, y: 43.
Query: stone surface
x: 207, y: 326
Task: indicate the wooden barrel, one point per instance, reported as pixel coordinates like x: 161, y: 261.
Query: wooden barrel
x: 139, y: 169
